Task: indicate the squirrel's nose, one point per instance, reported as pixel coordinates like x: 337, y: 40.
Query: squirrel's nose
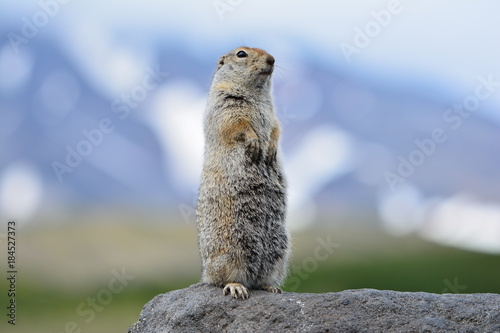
x: 270, y: 60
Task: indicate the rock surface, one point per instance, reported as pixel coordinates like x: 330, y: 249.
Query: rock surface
x: 203, y: 308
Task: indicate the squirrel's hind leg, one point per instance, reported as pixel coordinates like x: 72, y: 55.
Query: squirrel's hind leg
x: 275, y: 290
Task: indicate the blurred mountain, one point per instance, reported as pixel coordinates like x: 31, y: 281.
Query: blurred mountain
x: 351, y: 140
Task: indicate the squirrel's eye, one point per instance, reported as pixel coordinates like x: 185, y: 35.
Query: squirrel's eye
x: 241, y: 54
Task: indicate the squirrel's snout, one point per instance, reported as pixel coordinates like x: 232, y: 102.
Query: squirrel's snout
x: 270, y: 60
x: 269, y: 65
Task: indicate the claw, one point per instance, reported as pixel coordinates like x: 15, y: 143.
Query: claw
x: 275, y: 290
x: 237, y: 290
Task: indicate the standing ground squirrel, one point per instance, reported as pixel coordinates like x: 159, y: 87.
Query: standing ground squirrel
x: 242, y: 236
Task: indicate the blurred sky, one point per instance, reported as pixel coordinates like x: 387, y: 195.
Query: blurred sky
x: 444, y: 39
x: 443, y: 47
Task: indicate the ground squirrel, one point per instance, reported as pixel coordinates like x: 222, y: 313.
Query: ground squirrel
x: 242, y: 236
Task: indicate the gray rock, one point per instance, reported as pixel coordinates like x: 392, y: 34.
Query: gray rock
x: 203, y: 308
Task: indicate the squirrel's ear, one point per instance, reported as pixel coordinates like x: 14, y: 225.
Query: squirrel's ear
x: 221, y: 62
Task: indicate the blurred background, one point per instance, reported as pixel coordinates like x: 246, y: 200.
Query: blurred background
x: 391, y: 132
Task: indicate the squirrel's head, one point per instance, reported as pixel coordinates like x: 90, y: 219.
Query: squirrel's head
x: 244, y: 68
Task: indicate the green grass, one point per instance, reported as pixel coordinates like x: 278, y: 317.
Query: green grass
x: 49, y: 310
x: 448, y: 271
x: 370, y: 259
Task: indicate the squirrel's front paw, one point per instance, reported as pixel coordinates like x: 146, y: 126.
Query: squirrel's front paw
x: 271, y: 156
x: 236, y: 290
x: 253, y: 148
